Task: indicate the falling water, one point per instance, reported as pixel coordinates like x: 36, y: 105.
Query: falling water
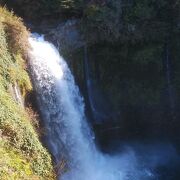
x: 66, y: 129
x: 168, y: 74
x: 100, y: 108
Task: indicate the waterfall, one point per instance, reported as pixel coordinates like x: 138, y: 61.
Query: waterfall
x: 99, y: 105
x: 168, y: 74
x: 65, y: 125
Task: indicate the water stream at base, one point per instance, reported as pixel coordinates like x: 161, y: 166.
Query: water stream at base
x: 62, y: 110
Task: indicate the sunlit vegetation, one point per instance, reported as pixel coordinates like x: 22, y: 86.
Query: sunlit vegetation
x: 12, y: 164
x: 21, y: 154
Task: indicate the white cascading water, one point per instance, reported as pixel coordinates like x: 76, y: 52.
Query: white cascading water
x: 66, y: 129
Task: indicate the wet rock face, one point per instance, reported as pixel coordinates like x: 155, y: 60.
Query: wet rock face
x: 66, y: 36
x: 16, y: 94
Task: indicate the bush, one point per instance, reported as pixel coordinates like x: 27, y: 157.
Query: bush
x: 16, y: 32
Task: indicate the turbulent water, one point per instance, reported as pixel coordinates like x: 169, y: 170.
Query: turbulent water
x: 66, y: 128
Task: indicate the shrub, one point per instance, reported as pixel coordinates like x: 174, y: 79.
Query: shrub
x: 12, y: 164
x: 16, y: 32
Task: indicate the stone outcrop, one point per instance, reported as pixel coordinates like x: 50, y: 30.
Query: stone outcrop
x: 66, y: 35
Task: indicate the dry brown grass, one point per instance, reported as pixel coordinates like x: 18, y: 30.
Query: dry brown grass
x: 61, y: 167
x: 17, y: 33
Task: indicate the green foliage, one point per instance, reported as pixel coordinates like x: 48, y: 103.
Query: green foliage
x: 13, y: 47
x: 102, y: 22
x: 16, y: 127
x: 33, y: 9
x: 140, y: 21
x: 12, y: 164
x: 115, y: 20
x: 70, y: 4
x: 16, y: 32
x: 151, y: 20
x: 27, y: 158
x: 18, y: 73
x: 5, y: 57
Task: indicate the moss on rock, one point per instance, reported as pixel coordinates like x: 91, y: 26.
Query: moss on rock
x: 22, y: 154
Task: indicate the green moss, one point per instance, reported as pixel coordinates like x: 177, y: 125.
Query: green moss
x: 101, y: 22
x: 24, y: 156
x: 15, y: 125
x: 12, y: 164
